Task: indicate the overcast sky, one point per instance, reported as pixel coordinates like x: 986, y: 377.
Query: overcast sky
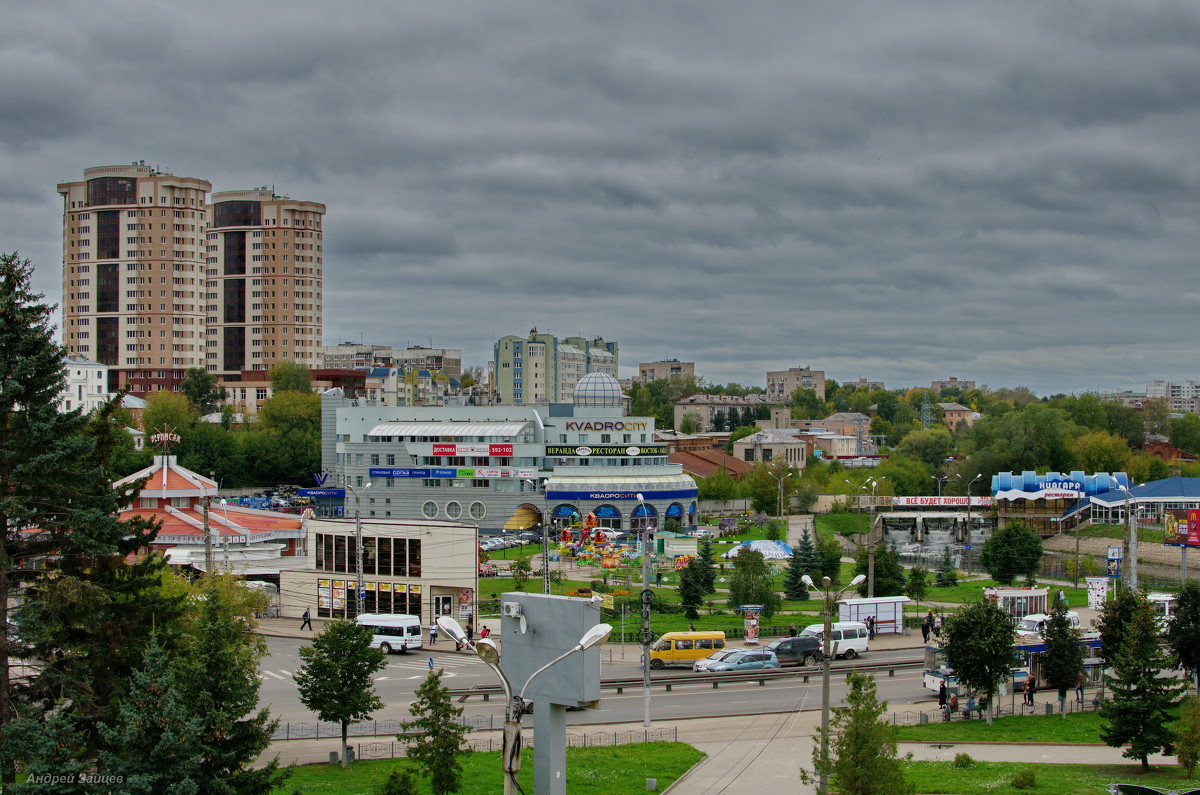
x: 906, y: 191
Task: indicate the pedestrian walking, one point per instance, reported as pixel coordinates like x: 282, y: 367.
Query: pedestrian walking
x: 1079, y: 690
x: 470, y: 632
x: 1030, y: 686
x: 691, y: 627
x: 942, y: 694
x: 926, y: 627
x: 870, y: 622
x: 483, y: 633
x: 432, y: 633
x: 937, y: 626
x: 307, y: 622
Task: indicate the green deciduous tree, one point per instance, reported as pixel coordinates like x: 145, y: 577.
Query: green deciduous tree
x: 1187, y: 735
x: 917, y: 586
x: 1185, y: 433
x: 436, y: 737
x: 285, y: 444
x: 336, y: 675
x: 1139, y: 712
x: 520, y: 569
x: 1101, y: 451
x: 1183, y: 631
x: 1012, y: 551
x: 289, y: 376
x: 1062, y: 661
x: 201, y: 389
x: 830, y: 553
x: 751, y: 583
x: 930, y: 446
x: 169, y: 410
x: 889, y: 574
x: 979, y: 640
x: 862, y: 746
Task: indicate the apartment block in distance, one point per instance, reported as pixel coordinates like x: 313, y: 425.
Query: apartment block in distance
x: 782, y: 384
x: 541, y: 368
x: 264, y: 261
x: 667, y: 369
x: 133, y: 273
x: 354, y: 355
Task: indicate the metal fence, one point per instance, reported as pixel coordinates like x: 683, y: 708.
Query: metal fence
x: 393, y: 750
x: 369, y: 728
x: 943, y: 714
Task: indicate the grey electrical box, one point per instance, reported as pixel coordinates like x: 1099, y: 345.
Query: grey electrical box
x: 552, y: 625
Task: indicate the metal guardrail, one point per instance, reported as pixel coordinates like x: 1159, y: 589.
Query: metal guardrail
x: 804, y: 673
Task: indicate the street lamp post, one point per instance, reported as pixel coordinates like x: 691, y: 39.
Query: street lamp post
x: 1131, y: 539
x: 545, y: 539
x: 360, y: 585
x: 871, y: 544
x: 647, y: 595
x: 828, y: 600
x: 967, y: 541
x: 941, y: 479
x: 489, y: 652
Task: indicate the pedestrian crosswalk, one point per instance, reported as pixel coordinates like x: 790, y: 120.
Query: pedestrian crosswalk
x: 409, y: 666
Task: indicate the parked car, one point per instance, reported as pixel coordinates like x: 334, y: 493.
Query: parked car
x: 849, y: 637
x: 705, y: 533
x: 712, y: 659
x: 801, y: 650
x: 746, y: 660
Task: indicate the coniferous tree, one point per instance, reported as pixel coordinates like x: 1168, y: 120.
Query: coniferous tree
x: 156, y: 739
x: 917, y: 586
x: 947, y: 574
x: 1062, y: 661
x: 691, y: 588
x: 336, y: 676
x: 889, y: 574
x: 804, y: 561
x: 220, y: 658
x: 830, y: 553
x: 707, y: 567
x: 1113, y: 622
x: 436, y: 737
x: 1187, y: 735
x: 1138, y: 714
x: 57, y: 503
x: 862, y: 746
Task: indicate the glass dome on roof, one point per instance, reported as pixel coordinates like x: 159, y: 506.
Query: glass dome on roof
x: 599, y: 390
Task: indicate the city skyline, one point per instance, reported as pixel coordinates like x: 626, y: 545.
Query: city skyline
x: 902, y: 193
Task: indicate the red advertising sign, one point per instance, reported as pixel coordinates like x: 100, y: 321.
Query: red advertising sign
x: 1193, y: 528
x: 1182, y: 528
x: 473, y: 449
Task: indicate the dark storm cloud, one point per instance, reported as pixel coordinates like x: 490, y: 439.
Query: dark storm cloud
x: 897, y: 191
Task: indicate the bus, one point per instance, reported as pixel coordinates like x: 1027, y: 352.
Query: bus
x: 392, y: 631
x: 1026, y: 653
x: 1164, y: 606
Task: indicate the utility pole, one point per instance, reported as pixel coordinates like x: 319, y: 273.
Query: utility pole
x: 647, y: 595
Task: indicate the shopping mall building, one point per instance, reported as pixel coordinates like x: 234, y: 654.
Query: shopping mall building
x: 501, y: 467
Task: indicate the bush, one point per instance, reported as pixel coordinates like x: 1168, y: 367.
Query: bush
x: 963, y: 761
x: 401, y: 781
x: 1023, y: 779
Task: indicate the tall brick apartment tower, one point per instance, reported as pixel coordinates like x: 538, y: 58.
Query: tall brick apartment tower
x: 133, y: 273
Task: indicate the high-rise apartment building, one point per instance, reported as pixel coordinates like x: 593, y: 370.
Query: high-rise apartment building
x: 133, y: 273
x: 541, y: 368
x: 156, y: 280
x: 264, y: 259
x: 782, y: 384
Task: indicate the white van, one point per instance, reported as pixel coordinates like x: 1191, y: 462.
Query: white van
x: 849, y: 638
x: 392, y: 632
x: 1035, y: 623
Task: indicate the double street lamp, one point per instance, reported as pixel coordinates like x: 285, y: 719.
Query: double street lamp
x: 487, y: 650
x: 360, y: 586
x: 1131, y: 539
x: 828, y: 600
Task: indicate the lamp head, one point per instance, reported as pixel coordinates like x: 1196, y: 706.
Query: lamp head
x: 368, y: 485
x: 857, y: 580
x: 452, y: 628
x: 640, y: 499
x: 488, y: 651
x: 808, y: 581
x: 596, y: 635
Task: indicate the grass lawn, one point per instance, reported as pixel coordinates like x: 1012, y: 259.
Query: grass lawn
x: 972, y: 590
x: 992, y: 778
x: 845, y: 524
x: 590, y: 771
x: 1119, y: 531
x: 1081, y: 727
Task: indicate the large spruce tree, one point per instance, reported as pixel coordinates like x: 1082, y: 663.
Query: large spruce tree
x: 57, y: 504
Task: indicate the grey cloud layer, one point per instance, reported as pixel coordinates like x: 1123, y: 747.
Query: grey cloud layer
x: 902, y: 191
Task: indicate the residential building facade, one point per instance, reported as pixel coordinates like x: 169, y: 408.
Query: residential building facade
x: 661, y: 371
x: 1180, y: 395
x: 351, y: 355
x: 543, y: 369
x: 782, y: 384
x: 952, y: 383
x: 86, y: 386
x: 134, y: 273
x: 708, y: 408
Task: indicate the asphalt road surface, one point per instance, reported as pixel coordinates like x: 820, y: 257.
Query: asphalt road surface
x: 404, y: 673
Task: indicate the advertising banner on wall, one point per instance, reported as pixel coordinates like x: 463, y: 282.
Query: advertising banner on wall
x: 473, y: 449
x: 941, y: 502
x: 586, y: 451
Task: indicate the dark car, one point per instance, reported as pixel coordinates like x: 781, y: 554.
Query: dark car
x: 796, y: 651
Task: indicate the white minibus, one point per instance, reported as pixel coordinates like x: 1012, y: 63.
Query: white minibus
x: 392, y: 632
x: 850, y: 638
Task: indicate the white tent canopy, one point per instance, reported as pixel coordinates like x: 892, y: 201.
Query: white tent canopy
x: 771, y: 550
